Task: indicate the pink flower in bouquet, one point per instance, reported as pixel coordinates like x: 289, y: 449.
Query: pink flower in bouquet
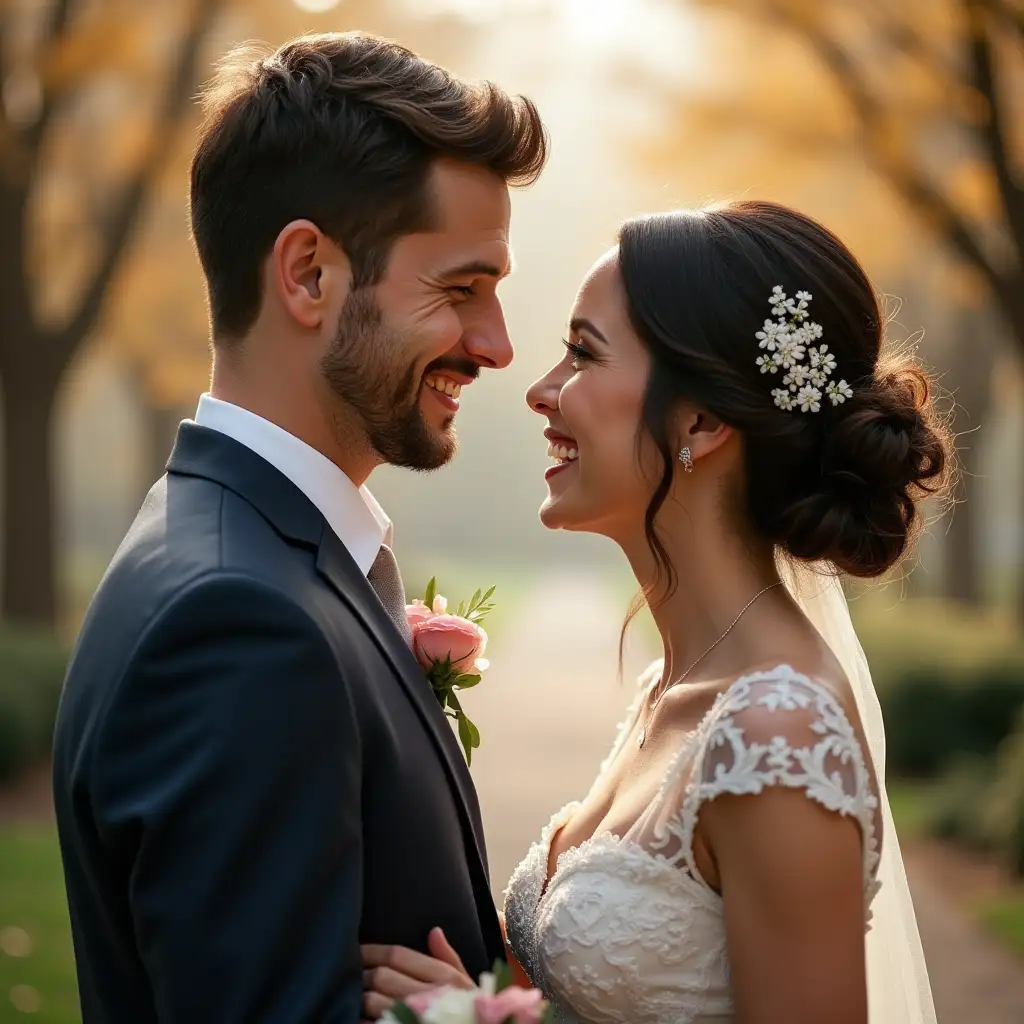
x: 521, y: 1005
x: 448, y: 636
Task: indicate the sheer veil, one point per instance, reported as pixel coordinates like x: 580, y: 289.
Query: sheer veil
x: 898, y: 988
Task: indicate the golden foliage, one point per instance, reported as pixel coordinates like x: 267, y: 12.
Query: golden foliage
x: 804, y: 89
x: 104, y: 80
x: 972, y: 188
x: 965, y: 287
x: 107, y: 37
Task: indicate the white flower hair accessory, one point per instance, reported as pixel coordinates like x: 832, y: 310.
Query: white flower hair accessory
x: 787, y: 343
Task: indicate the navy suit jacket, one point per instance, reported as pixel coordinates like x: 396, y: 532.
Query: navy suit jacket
x: 251, y: 774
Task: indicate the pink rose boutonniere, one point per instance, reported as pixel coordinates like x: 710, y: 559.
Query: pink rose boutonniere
x: 450, y: 647
x: 495, y: 1001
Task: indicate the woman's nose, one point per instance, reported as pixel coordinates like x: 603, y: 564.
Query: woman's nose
x: 542, y: 395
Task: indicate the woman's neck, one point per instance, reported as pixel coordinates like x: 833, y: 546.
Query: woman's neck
x: 717, y: 575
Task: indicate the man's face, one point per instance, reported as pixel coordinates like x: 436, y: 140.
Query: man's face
x: 405, y: 347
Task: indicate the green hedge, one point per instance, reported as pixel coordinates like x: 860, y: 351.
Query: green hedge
x: 950, y: 679
x: 979, y: 802
x: 31, y: 673
x: 934, y: 717
x: 1001, y: 811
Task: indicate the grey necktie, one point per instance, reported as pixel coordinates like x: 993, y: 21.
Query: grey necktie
x: 386, y: 580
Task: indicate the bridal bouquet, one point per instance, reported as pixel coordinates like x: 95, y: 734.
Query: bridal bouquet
x: 450, y: 648
x: 496, y: 1001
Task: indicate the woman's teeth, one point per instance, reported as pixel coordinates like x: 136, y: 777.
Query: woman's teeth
x: 445, y: 386
x: 560, y: 453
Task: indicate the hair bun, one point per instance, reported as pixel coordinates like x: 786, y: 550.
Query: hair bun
x: 885, y: 451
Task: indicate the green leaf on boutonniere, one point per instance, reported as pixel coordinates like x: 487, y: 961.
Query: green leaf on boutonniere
x: 431, y: 592
x: 466, y: 682
x: 469, y: 734
x: 478, y: 606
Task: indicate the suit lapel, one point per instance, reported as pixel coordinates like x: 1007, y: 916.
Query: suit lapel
x: 336, y: 566
x: 199, y: 451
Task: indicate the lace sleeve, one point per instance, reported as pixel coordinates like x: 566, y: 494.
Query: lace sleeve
x: 771, y: 729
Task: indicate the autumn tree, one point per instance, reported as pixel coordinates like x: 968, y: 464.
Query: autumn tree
x: 926, y: 93
x: 932, y: 94
x: 95, y: 97
x: 72, y: 74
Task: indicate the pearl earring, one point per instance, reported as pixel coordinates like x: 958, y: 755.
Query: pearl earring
x: 686, y: 458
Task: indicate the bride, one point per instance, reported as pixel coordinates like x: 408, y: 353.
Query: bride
x: 727, y: 412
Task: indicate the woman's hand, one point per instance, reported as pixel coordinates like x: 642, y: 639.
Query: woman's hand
x: 391, y: 973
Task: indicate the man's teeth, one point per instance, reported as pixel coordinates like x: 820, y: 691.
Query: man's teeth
x: 561, y: 453
x: 445, y: 386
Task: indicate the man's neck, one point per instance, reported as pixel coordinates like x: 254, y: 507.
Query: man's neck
x: 304, y: 416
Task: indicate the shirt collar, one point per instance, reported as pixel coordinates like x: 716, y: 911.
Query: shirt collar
x: 353, y: 513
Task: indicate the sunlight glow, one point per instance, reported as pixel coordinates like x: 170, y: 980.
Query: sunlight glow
x: 316, y: 6
x: 597, y: 21
x: 479, y: 11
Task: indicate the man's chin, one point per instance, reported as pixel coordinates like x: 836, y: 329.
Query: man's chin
x: 431, y: 450
x: 444, y: 443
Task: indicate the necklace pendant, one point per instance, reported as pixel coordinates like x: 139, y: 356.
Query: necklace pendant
x: 642, y: 738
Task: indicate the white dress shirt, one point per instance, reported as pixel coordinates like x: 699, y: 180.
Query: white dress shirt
x: 351, y: 512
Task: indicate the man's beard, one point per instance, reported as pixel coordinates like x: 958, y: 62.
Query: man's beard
x: 363, y: 369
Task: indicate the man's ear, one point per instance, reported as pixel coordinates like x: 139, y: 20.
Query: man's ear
x: 309, y: 271
x: 702, y: 432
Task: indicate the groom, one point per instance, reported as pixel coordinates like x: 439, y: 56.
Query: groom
x: 252, y: 776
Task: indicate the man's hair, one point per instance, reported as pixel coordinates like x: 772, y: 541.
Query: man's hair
x: 341, y: 129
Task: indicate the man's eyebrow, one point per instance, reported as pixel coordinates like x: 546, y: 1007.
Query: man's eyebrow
x: 582, y: 323
x: 474, y: 267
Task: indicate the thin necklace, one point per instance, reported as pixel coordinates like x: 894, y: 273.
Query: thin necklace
x: 642, y: 738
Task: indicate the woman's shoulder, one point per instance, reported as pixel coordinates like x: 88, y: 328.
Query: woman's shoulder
x: 765, y: 697
x: 801, y: 693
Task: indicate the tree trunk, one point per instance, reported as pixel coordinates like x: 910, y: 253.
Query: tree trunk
x: 1011, y: 303
x: 962, y: 581
x: 29, y: 583
x: 971, y: 355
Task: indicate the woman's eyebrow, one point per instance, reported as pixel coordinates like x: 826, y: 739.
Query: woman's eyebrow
x: 579, y: 323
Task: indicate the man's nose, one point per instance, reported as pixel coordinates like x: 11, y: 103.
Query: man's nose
x: 488, y: 342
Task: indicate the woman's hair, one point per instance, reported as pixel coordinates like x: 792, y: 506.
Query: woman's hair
x: 840, y: 485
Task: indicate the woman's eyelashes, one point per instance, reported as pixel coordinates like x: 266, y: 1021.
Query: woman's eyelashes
x: 579, y: 353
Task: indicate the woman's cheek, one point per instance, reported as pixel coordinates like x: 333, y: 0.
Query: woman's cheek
x: 573, y: 404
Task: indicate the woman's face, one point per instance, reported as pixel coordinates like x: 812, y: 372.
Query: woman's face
x: 592, y: 398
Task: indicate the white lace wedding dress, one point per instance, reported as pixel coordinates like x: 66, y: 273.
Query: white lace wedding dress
x: 626, y: 929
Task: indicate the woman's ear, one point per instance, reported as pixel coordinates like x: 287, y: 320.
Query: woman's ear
x: 702, y: 432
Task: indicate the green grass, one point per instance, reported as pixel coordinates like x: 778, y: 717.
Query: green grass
x: 1004, y: 918
x: 1002, y: 915
x: 32, y: 901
